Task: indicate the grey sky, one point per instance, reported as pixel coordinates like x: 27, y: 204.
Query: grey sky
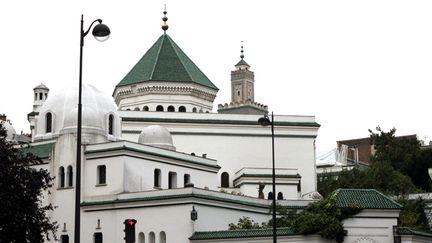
x: 352, y: 64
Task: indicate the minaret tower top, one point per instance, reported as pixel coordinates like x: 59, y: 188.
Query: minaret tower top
x: 242, y: 91
x: 242, y: 64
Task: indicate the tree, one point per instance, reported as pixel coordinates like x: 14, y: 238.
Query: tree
x: 245, y: 223
x: 413, y: 214
x: 380, y: 176
x: 404, y: 154
x: 22, y: 217
x: 322, y: 217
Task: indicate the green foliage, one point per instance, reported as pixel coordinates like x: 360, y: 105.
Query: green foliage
x: 413, y: 214
x: 403, y: 154
x: 380, y: 176
x: 323, y: 218
x: 245, y: 223
x: 22, y: 217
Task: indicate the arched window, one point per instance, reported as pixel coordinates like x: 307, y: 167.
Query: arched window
x: 270, y: 196
x: 172, y: 180
x: 171, y: 108
x: 186, y: 179
x: 152, y: 237
x: 110, y: 124
x: 145, y: 108
x: 157, y: 178
x: 128, y: 109
x: 98, y: 237
x: 35, y: 96
x: 182, y: 109
x: 141, y: 237
x: 136, y: 109
x: 61, y: 177
x: 225, y: 179
x: 280, y: 196
x: 101, y: 174
x: 194, y: 109
x: 64, y: 238
x: 69, y: 176
x: 40, y: 96
x: 48, y: 120
x: 159, y: 108
x: 162, y: 237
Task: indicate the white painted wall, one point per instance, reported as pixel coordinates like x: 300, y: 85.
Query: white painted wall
x: 238, y: 146
x: 131, y: 174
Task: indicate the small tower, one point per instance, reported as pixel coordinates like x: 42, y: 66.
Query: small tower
x: 40, y: 94
x: 243, y: 91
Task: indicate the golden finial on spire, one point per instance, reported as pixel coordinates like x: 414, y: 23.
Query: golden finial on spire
x: 165, y: 18
x: 241, y: 52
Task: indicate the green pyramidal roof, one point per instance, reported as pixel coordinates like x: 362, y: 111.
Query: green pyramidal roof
x: 242, y: 62
x: 165, y: 61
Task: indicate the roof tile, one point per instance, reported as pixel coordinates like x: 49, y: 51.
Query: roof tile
x: 165, y: 61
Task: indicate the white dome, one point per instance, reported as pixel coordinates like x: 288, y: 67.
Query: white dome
x: 96, y: 109
x: 90, y: 120
x: 156, y: 136
x: 10, y: 130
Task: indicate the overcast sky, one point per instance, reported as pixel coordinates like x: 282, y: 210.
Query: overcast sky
x: 352, y: 64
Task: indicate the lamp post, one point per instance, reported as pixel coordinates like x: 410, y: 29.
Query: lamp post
x: 265, y: 121
x: 101, y: 33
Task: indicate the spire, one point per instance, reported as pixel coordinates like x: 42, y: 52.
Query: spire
x: 241, y: 52
x: 165, y: 18
x: 241, y: 62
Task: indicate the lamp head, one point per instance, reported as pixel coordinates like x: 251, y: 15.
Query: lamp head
x: 194, y: 214
x: 101, y: 32
x: 264, y: 121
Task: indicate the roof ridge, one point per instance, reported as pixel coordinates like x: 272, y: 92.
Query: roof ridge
x: 157, y: 56
x: 180, y: 59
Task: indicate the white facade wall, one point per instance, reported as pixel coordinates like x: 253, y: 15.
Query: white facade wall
x: 129, y: 174
x: 361, y: 228
x: 173, y: 220
x: 235, y: 146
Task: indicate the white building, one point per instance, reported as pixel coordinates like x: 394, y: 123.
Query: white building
x: 157, y: 151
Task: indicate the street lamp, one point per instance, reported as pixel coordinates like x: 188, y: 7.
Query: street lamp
x: 101, y: 33
x: 265, y: 121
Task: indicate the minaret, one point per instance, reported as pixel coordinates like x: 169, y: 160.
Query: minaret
x: 242, y: 82
x: 242, y: 91
x: 40, y: 94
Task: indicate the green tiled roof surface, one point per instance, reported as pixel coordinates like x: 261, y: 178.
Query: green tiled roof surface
x: 411, y: 231
x: 40, y: 150
x: 165, y: 61
x: 227, y: 234
x: 364, y: 199
x: 242, y: 62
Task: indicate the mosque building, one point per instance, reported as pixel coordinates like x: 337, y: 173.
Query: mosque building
x: 156, y: 152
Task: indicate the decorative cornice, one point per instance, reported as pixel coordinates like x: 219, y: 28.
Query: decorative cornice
x: 216, y: 121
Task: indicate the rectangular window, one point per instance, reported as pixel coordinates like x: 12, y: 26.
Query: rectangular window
x: 157, y: 178
x: 186, y: 179
x: 101, y: 174
x: 172, y: 180
x: 98, y: 238
x: 64, y: 239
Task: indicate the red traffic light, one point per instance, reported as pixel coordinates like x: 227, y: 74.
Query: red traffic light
x: 131, y: 222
